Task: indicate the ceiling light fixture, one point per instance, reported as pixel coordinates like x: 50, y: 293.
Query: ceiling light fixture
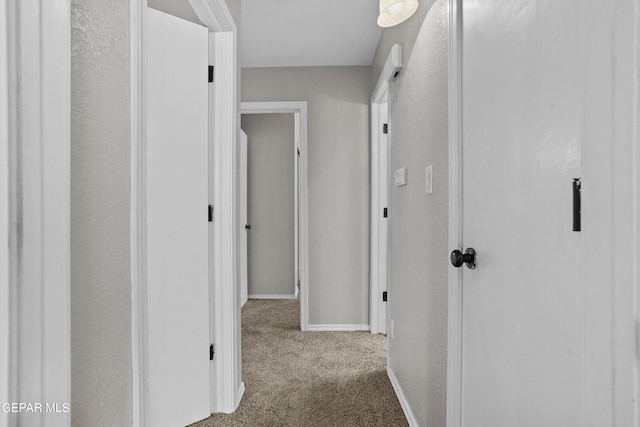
x: 393, y: 12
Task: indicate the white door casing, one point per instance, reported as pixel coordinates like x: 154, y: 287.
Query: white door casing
x: 35, y: 353
x: 243, y: 223
x: 5, y: 302
x: 379, y: 233
x: 177, y: 226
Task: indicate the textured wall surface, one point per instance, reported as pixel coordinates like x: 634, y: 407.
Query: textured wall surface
x: 404, y: 34
x: 271, y: 148
x: 338, y: 109
x: 101, y: 388
x: 419, y: 222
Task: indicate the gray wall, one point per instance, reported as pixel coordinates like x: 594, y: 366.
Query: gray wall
x: 270, y: 196
x: 338, y: 108
x: 419, y: 222
x: 404, y: 34
x: 101, y: 369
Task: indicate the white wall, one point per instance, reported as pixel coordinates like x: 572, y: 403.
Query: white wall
x: 338, y: 108
x: 418, y: 262
x: 270, y: 205
x: 101, y: 381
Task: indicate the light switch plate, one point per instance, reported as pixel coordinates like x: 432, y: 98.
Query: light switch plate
x: 400, y: 177
x: 428, y: 189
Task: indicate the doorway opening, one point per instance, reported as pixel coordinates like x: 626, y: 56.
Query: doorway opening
x: 254, y: 237
x: 379, y: 252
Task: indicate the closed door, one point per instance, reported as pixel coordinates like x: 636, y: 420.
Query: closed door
x: 177, y: 223
x: 522, y: 352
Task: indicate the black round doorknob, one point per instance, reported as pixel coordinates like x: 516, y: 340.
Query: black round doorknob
x: 457, y: 258
x: 468, y: 257
x: 247, y: 227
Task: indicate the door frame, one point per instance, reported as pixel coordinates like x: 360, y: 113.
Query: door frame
x: 5, y: 201
x: 618, y: 224
x: 295, y: 107
x: 35, y: 338
x: 227, y: 387
x: 379, y: 252
x: 454, y: 318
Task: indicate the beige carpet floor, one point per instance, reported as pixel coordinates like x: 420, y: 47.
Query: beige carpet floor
x: 306, y: 379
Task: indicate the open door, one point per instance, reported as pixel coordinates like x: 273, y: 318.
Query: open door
x: 177, y: 223
x: 244, y: 225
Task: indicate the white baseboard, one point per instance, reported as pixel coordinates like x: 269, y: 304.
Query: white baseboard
x: 402, y: 398
x: 239, y: 394
x: 271, y: 296
x: 345, y: 328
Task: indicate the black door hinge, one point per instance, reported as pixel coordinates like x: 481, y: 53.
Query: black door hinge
x: 210, y: 73
x: 212, y: 351
x: 210, y: 212
x: 384, y: 296
x: 384, y: 213
x: 577, y: 208
x: 385, y: 128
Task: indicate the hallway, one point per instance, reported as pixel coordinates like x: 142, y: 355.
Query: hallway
x: 296, y: 378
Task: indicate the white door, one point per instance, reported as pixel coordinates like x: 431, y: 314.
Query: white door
x: 522, y: 327
x: 177, y: 223
x: 244, y: 225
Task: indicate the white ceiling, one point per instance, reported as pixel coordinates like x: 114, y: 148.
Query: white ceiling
x: 295, y: 33
x: 292, y: 33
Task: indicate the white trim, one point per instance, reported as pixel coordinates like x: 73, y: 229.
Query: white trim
x: 610, y: 241
x: 225, y: 296
x: 5, y: 304
x: 636, y: 210
x: 226, y: 384
x: 299, y: 107
x: 392, y: 67
x: 240, y: 393
x: 214, y: 14
x: 454, y: 327
x: 378, y: 255
x: 39, y: 246
x: 402, y: 398
x: 338, y: 328
x: 271, y: 296
x: 138, y: 233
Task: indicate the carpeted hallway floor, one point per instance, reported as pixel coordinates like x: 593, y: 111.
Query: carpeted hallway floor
x: 306, y: 379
